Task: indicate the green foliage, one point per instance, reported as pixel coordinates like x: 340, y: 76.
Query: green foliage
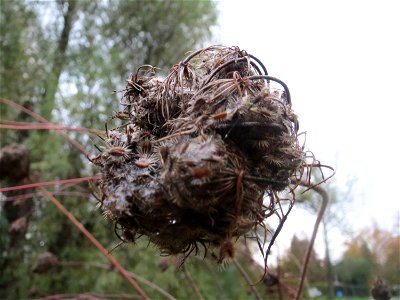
x: 291, y: 263
x: 130, y: 34
x: 69, y: 78
x: 370, y: 254
x: 355, y: 270
x: 391, y: 265
x: 22, y: 59
x: 21, y: 44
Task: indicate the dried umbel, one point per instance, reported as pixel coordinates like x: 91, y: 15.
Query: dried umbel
x: 14, y: 162
x: 202, y: 153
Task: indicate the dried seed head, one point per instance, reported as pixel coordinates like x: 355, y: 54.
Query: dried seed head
x: 226, y: 251
x: 200, y: 172
x: 201, y: 150
x: 144, y: 161
x: 118, y: 151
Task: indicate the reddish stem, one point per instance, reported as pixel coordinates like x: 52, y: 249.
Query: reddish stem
x: 38, y: 126
x: 57, y: 193
x: 96, y: 243
x: 325, y: 199
x: 47, y: 183
x: 43, y: 120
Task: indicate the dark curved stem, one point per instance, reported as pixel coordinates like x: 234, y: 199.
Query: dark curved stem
x: 276, y: 233
x: 325, y: 199
x: 260, y: 63
x: 191, y: 55
x: 267, y: 77
x: 233, y: 61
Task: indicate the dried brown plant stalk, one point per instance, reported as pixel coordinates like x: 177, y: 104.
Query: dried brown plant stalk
x: 45, y: 121
x: 247, y: 279
x: 205, y: 156
x: 325, y: 199
x: 96, y: 243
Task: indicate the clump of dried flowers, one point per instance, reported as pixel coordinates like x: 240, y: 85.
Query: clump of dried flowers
x: 202, y: 155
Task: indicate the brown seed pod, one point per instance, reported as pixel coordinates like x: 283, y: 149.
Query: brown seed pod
x: 203, y: 151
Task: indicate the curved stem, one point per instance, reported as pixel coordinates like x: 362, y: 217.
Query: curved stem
x: 267, y: 77
x: 325, y: 199
x: 260, y: 63
x: 191, y: 55
x: 96, y: 243
x: 233, y: 61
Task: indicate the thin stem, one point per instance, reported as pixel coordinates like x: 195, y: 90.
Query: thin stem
x: 267, y: 77
x: 193, y: 284
x: 266, y: 180
x: 47, y: 126
x: 260, y: 63
x: 56, y: 193
x: 47, y: 183
x: 325, y: 199
x: 107, y: 267
x: 233, y: 61
x: 247, y: 278
x: 96, y: 243
x: 24, y: 109
x: 290, y: 292
x: 43, y: 120
x: 276, y: 233
x: 174, y: 135
x: 187, y: 59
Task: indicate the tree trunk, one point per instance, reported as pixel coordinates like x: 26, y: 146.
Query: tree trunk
x: 48, y: 102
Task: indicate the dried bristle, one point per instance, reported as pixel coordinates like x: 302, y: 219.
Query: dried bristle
x: 201, y: 150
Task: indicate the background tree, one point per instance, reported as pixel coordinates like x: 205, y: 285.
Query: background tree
x: 291, y: 263
x: 63, y: 59
x: 22, y: 60
x: 391, y: 265
x: 67, y: 9
x: 356, y: 268
x: 372, y: 253
x: 385, y: 249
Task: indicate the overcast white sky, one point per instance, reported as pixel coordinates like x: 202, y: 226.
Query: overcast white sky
x: 341, y: 62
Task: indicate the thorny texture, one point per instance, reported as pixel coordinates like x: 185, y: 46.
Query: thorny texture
x: 202, y: 154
